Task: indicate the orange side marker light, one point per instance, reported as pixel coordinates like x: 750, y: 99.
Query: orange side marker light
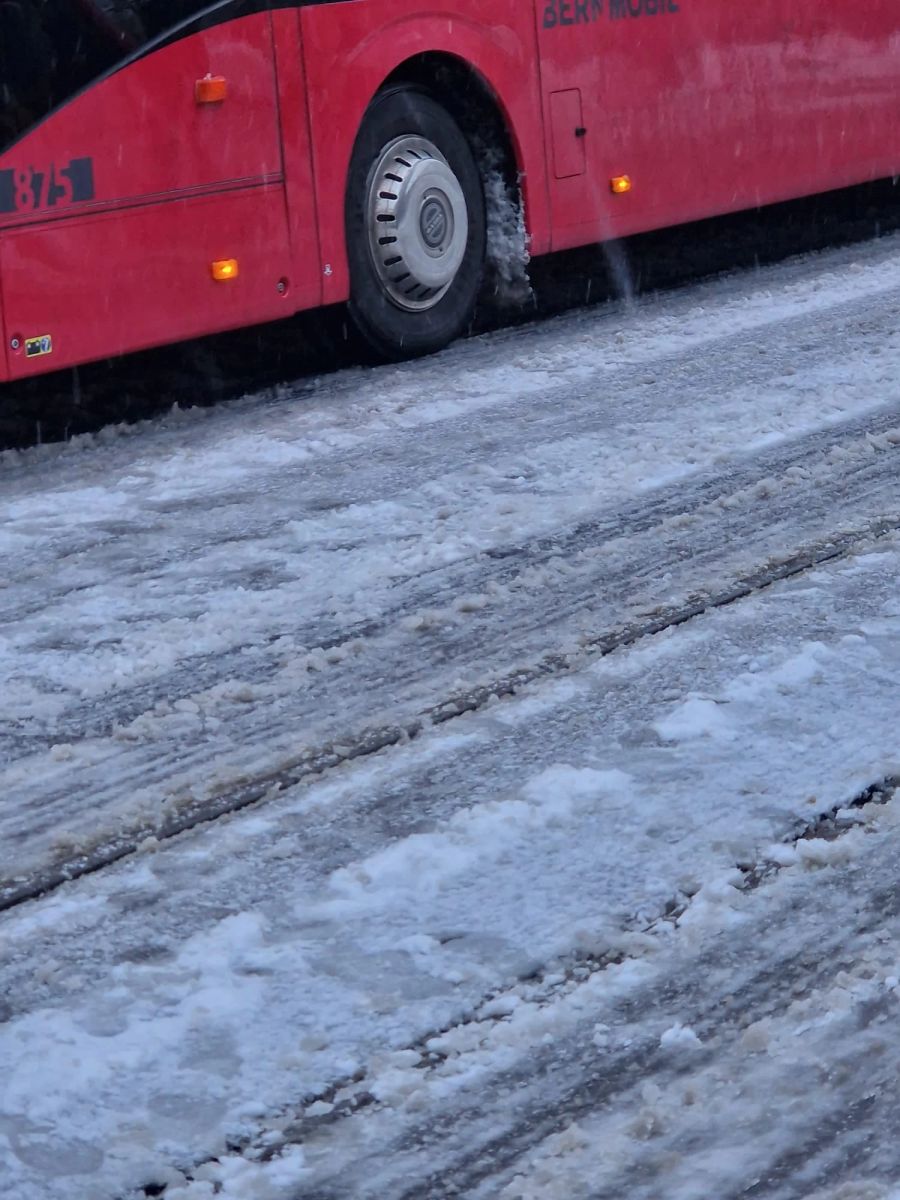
x: 620, y: 184
x: 225, y: 268
x: 211, y: 89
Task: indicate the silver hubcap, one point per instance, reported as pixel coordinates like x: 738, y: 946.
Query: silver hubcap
x: 417, y: 223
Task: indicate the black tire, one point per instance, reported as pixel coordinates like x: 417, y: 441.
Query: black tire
x: 392, y: 331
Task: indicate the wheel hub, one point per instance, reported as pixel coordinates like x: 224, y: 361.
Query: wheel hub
x: 434, y: 221
x: 417, y: 222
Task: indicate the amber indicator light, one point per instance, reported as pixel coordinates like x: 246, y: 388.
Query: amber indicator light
x: 211, y: 89
x: 620, y: 184
x: 225, y: 268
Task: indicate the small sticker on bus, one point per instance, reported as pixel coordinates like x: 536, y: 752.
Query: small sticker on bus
x: 35, y: 347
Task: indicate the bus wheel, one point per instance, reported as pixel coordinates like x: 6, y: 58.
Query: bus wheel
x: 415, y: 226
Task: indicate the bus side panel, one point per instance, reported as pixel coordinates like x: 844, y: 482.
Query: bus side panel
x: 129, y: 279
x: 712, y: 106
x: 349, y: 50
x: 4, y: 334
x: 306, y: 276
x: 114, y: 209
x: 834, y: 107
x: 141, y: 132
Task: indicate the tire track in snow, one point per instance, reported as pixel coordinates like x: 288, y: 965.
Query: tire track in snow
x: 549, y: 1104
x: 280, y: 862
x: 477, y: 1147
x: 427, y: 652
x: 856, y: 442
x: 389, y: 463
x: 16, y: 890
x: 567, y: 595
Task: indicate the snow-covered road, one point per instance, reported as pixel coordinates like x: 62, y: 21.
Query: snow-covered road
x: 194, y: 613
x: 565, y: 944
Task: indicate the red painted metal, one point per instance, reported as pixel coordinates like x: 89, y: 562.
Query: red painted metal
x: 707, y: 106
x: 149, y: 138
x: 299, y: 191
x: 711, y: 106
x: 138, y: 277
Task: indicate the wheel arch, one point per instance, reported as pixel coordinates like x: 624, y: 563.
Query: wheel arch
x: 468, y: 97
x: 482, y: 79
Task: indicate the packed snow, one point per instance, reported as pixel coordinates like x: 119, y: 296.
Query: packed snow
x: 202, y: 605
x: 629, y: 932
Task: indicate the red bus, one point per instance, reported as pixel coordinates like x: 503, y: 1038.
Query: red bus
x: 172, y: 168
